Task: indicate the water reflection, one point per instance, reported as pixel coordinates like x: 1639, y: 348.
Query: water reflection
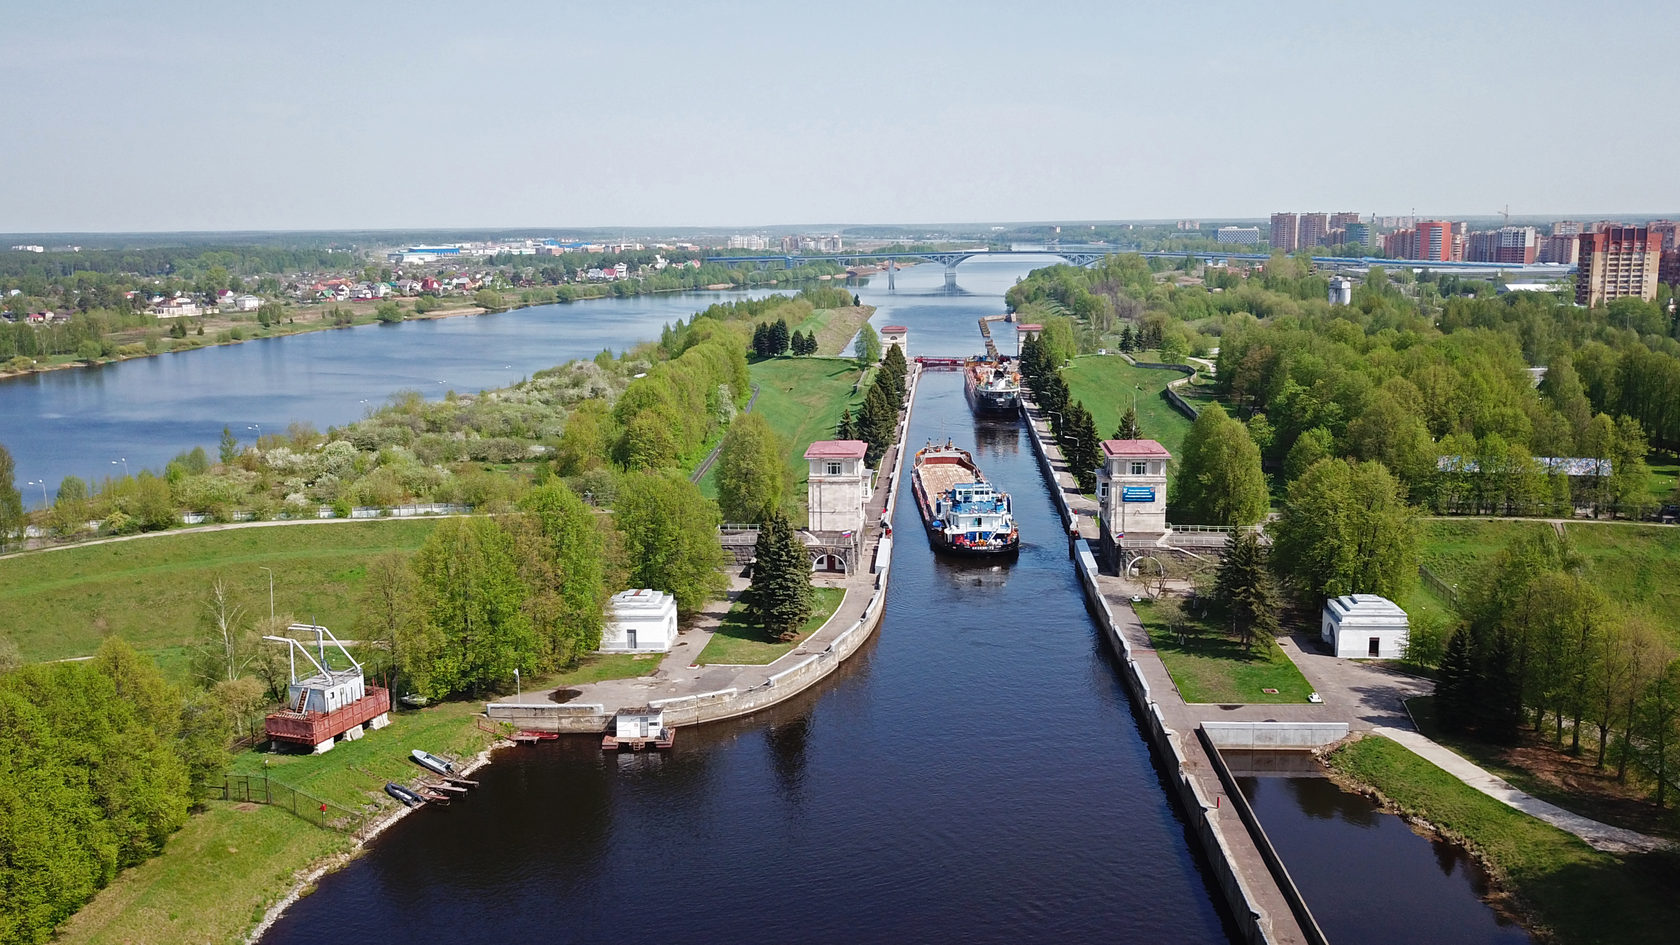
x: 786, y: 742
x: 1366, y: 876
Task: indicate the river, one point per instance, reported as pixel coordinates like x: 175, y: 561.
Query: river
x: 88, y: 421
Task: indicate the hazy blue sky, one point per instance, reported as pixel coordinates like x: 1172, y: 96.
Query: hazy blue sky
x: 174, y: 115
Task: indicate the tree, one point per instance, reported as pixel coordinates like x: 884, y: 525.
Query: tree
x: 895, y: 367
x: 229, y: 447
x: 489, y: 299
x: 752, y: 479
x: 1080, y: 445
x: 1246, y: 589
x: 878, y: 421
x: 780, y: 598
x: 1219, y: 477
x: 562, y: 553
x: 11, y: 500
x: 225, y: 645
x: 387, y: 608
x: 670, y: 537
x: 1657, y: 727
x: 1344, y: 529
x: 1310, y: 447
x: 867, y: 347
x: 1456, y: 685
x: 777, y: 338
x: 471, y: 595
x: 1128, y: 428
x: 847, y: 430
x: 388, y: 312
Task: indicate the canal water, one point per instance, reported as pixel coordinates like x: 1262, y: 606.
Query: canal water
x: 1367, y: 877
x: 973, y: 774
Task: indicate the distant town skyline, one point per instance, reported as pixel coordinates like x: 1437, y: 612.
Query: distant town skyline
x: 424, y: 115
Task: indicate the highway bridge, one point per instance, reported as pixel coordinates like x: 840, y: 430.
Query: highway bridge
x: 1087, y: 255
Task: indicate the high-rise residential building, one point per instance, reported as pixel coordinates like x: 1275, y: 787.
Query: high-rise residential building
x: 1617, y: 262
x: 749, y: 242
x: 1516, y: 244
x: 1567, y: 228
x: 1360, y: 233
x: 1343, y: 218
x: 1668, y: 230
x: 1313, y: 227
x: 1481, y: 246
x: 1189, y: 225
x: 1239, y: 235
x: 1285, y: 232
x: 1434, y: 241
x: 1400, y: 244
x: 1668, y: 268
x: 1560, y: 248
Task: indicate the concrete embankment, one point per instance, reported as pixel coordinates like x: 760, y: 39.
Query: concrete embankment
x: 1263, y: 912
x: 750, y: 688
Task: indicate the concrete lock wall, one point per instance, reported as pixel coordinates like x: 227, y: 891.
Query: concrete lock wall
x: 1252, y: 920
x: 1284, y: 735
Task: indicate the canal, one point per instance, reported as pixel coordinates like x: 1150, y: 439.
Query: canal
x: 973, y: 774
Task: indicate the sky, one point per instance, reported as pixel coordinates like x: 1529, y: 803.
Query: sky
x: 170, y: 115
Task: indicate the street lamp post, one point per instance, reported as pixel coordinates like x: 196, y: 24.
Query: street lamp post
x: 124, y: 461
x: 270, y: 593
x: 43, y: 484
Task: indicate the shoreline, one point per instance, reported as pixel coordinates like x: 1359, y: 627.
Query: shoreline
x: 312, y: 873
x: 408, y: 316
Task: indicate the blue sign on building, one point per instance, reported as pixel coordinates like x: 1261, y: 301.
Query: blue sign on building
x: 1137, y: 494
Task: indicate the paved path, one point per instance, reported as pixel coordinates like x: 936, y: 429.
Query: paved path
x: 1598, y: 835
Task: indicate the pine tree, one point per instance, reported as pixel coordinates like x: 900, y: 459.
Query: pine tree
x: 1246, y: 588
x: 229, y: 447
x: 761, y: 340
x: 848, y: 426
x: 1500, y: 686
x: 1128, y: 428
x: 1455, y: 687
x: 878, y: 420
x: 778, y: 338
x: 780, y: 598
x: 1080, y: 445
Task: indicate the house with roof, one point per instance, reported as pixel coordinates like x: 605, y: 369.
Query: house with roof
x: 1131, y: 497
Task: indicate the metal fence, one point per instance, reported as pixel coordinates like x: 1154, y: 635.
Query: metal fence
x: 1431, y: 580
x: 255, y: 789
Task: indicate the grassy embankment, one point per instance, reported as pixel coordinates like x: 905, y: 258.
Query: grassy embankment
x: 1106, y: 385
x: 1210, y: 666
x: 802, y: 398
x: 737, y: 642
x: 150, y: 590
x: 1578, y: 893
x: 1634, y: 565
x: 220, y: 873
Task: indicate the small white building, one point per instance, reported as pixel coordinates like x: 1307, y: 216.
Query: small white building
x: 632, y: 724
x: 1364, y: 626
x: 838, y: 486
x: 640, y: 621
x: 1341, y: 290
x: 896, y: 336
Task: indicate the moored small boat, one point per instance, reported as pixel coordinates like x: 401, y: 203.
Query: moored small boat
x: 406, y: 796
x: 963, y: 513
x: 432, y: 762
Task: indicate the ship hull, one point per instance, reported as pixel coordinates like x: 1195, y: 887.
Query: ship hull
x: 940, y: 537
x: 987, y: 401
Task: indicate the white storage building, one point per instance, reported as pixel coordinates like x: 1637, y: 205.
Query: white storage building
x: 640, y: 621
x: 1364, y: 626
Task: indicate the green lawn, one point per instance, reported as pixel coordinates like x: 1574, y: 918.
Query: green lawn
x: 1665, y: 475
x: 353, y: 774
x: 150, y: 591
x: 598, y: 667
x: 1212, y: 667
x: 1580, y: 894
x: 1634, y: 565
x: 736, y: 642
x: 801, y: 399
x: 1106, y: 385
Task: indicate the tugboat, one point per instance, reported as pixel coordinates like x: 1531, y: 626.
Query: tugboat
x: 962, y: 512
x: 993, y: 387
